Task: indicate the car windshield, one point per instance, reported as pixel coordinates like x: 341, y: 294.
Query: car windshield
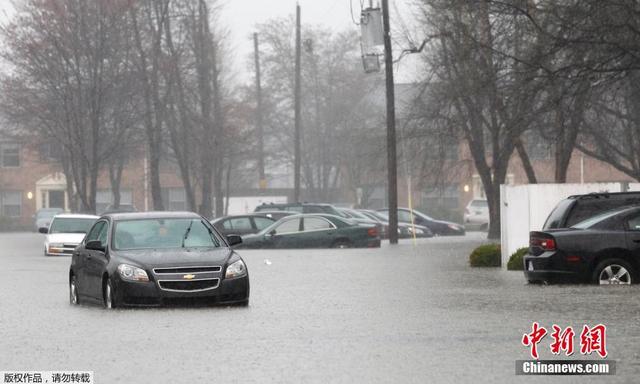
x: 163, y: 233
x: 70, y: 225
x: 597, y: 219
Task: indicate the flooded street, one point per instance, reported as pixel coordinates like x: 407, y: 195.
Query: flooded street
x: 395, y: 314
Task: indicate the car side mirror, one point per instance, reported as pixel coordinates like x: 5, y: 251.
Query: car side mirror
x: 269, y: 235
x: 94, y: 245
x: 44, y: 230
x: 234, y: 240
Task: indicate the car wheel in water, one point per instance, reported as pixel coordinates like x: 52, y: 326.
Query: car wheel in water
x: 108, y: 295
x: 74, y: 299
x: 342, y: 244
x: 614, y: 271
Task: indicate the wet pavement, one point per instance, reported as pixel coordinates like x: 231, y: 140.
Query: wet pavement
x: 405, y: 314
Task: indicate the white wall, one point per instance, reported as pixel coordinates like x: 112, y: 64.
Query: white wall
x: 524, y: 208
x: 241, y: 205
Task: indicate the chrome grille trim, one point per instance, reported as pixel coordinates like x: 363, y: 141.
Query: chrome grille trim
x: 184, y: 270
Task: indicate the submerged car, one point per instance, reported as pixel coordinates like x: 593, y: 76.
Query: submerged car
x: 438, y: 227
x: 476, y: 214
x: 157, y: 258
x: 65, y: 232
x: 604, y: 249
x: 314, y: 231
x: 405, y: 230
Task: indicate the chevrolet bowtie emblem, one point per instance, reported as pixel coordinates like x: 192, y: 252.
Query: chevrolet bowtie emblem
x: 188, y: 277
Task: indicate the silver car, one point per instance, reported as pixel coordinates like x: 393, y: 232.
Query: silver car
x: 476, y: 214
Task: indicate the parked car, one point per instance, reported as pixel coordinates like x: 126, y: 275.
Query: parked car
x: 299, y: 208
x: 405, y: 230
x: 438, y: 227
x: 155, y: 258
x: 577, y: 208
x: 476, y: 214
x: 603, y: 249
x: 65, y: 232
x: 314, y: 231
x: 242, y: 224
x: 43, y: 217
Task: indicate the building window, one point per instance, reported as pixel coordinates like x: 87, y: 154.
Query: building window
x: 11, y: 203
x: 9, y: 154
x: 49, y: 152
x: 174, y: 199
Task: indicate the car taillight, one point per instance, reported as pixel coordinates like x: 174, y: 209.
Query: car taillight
x: 547, y: 244
x: 373, y: 232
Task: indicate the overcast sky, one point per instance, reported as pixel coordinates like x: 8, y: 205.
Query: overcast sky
x: 240, y: 17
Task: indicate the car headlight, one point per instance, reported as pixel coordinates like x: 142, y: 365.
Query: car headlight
x: 55, y: 248
x: 454, y: 227
x: 129, y: 272
x: 236, y: 269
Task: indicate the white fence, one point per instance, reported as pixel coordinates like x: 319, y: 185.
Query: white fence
x: 524, y: 208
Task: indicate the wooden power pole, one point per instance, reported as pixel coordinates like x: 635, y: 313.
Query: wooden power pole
x: 262, y: 181
x: 392, y: 170
x: 296, y: 161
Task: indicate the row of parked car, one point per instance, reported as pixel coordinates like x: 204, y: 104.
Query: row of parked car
x: 307, y: 225
x: 277, y: 226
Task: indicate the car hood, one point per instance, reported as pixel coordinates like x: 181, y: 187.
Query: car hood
x: 65, y: 238
x: 176, y: 256
x: 442, y: 222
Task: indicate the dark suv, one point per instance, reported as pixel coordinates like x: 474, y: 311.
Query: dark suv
x: 300, y: 208
x: 575, y: 209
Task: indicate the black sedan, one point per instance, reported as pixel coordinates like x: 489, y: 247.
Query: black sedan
x: 157, y: 258
x: 604, y: 249
x: 314, y: 231
x: 438, y: 227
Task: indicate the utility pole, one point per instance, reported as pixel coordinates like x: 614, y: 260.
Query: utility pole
x: 392, y: 172
x: 262, y: 181
x: 296, y: 155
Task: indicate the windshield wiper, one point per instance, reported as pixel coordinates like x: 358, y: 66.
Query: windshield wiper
x: 186, y: 233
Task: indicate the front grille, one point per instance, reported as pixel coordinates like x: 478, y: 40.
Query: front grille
x: 159, y: 271
x: 189, y: 286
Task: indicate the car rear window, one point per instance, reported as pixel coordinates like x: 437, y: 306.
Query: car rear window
x: 555, y: 218
x: 479, y: 204
x: 587, y: 208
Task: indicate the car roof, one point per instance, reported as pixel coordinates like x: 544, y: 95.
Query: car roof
x: 254, y: 214
x: 596, y: 195
x: 292, y: 204
x: 75, y: 216
x: 152, y: 215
